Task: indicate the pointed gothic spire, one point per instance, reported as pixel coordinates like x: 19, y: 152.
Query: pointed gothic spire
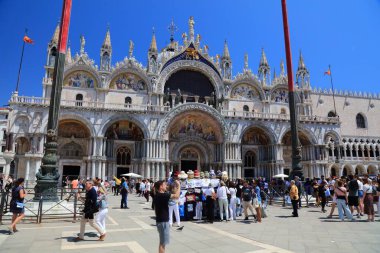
x: 107, y: 39
x: 153, y: 43
x: 68, y: 58
x: 191, y: 29
x: 263, y: 59
x: 301, y: 63
x: 245, y: 61
x: 55, y: 37
x: 226, y: 52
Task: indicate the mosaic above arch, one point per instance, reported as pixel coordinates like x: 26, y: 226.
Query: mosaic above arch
x: 244, y: 91
x: 196, y: 125
x: 124, y: 130
x: 74, y: 129
x: 80, y: 79
x: 129, y: 82
x: 280, y: 95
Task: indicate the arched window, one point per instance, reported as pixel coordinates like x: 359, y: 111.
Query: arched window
x: 331, y: 114
x: 79, y: 100
x: 360, y: 121
x: 127, y: 102
x: 246, y: 108
x: 249, y: 159
x: 123, y: 156
x: 283, y: 111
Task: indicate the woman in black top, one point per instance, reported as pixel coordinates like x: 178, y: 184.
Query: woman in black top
x: 17, y: 204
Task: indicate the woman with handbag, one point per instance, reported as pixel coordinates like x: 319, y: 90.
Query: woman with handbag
x: 341, y: 201
x: 100, y: 218
x: 17, y: 204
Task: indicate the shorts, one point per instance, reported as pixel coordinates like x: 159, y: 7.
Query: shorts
x: 334, y: 199
x: 163, y: 229
x: 361, y: 194
x: 353, y: 200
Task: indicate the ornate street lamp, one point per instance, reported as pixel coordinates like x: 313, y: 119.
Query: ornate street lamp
x: 47, y: 176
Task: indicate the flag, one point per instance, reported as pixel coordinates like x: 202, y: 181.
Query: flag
x: 328, y: 72
x: 28, y: 40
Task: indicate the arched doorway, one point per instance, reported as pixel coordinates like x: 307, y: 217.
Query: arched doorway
x: 124, y: 147
x: 190, y: 159
x: 195, y: 142
x: 73, y: 147
x: 123, y: 160
x: 334, y: 172
x: 347, y: 170
x: 306, y: 149
x: 258, y: 153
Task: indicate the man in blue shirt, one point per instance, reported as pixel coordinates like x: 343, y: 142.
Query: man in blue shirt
x: 124, y: 193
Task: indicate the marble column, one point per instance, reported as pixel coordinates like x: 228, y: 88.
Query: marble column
x: 27, y: 169
x: 147, y: 170
x: 158, y: 169
x: 103, y: 170
x: 93, y: 169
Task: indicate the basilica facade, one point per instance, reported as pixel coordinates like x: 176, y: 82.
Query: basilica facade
x: 186, y: 110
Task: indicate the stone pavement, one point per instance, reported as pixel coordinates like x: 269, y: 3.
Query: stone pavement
x: 133, y: 230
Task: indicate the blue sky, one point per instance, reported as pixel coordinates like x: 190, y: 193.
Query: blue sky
x: 343, y: 33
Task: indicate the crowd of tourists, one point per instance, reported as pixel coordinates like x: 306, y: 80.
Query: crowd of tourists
x: 353, y: 196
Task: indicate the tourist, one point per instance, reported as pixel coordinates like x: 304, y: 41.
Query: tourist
x: 334, y: 203
x: 239, y: 186
x: 322, y: 194
x: 113, y: 186
x: 103, y: 208
x: 257, y: 200
x: 376, y: 196
x: 233, y: 200
x: 246, y: 196
x: 174, y: 203
x: 161, y: 202
x: 147, y: 190
x: 210, y: 198
x: 341, y: 201
x: 17, y: 204
x: 360, y: 194
x: 315, y: 191
x: 293, y: 193
x: 90, y: 208
x: 221, y: 193
x: 353, y: 195
x: 298, y: 183
x: 142, y: 188
x: 368, y: 200
x: 124, y: 194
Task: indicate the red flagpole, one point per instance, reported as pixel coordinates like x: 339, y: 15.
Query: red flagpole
x: 296, y: 149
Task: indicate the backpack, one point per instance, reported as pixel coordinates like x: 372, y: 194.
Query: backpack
x: 247, y: 194
x: 354, y: 186
x: 262, y: 195
x: 374, y: 190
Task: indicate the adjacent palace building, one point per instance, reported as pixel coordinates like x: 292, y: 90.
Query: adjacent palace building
x: 185, y: 110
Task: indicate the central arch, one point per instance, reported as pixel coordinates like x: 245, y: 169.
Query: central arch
x: 197, y: 66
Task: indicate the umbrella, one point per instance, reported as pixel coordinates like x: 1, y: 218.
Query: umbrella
x: 131, y: 175
x: 280, y: 176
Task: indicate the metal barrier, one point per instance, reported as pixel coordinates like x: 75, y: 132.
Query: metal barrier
x: 34, y: 209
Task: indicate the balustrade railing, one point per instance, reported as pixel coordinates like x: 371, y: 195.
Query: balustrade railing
x: 164, y: 108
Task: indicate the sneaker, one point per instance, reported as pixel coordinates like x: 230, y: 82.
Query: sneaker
x: 180, y: 228
x: 246, y: 218
x: 358, y: 216
x: 10, y: 229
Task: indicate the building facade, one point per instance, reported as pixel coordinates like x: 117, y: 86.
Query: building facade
x: 185, y: 110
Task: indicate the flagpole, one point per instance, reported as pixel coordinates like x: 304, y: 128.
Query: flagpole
x: 296, y: 149
x: 19, y: 68
x: 333, y: 92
